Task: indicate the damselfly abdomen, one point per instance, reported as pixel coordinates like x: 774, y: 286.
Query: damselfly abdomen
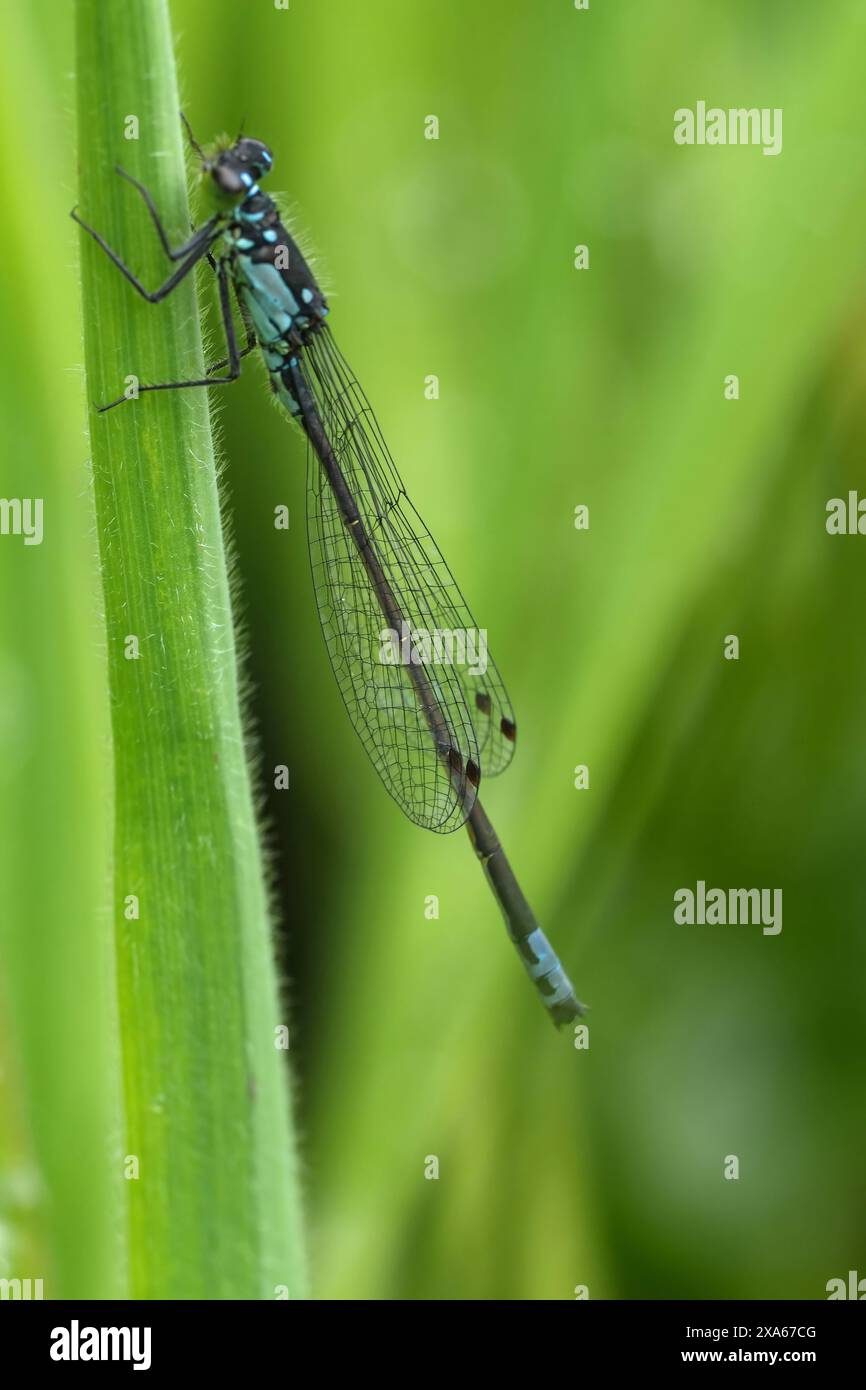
x: 390, y: 609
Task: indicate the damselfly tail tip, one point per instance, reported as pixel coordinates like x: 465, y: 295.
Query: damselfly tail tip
x: 568, y: 1011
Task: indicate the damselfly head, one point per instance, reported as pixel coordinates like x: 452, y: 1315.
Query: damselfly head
x: 239, y: 167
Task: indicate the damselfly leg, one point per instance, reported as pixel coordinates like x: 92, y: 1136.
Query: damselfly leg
x: 252, y: 341
x: 197, y: 247
x: 178, y: 252
x: 233, y: 360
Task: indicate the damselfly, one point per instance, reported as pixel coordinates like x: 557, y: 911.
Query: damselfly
x: 432, y: 728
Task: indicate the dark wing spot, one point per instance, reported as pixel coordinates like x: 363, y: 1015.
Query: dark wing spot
x: 482, y: 700
x: 473, y: 773
x: 509, y: 729
x: 455, y: 762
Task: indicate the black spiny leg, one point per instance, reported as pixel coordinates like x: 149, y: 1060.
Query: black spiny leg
x: 180, y: 251
x: 234, y: 357
x: 197, y: 247
x: 244, y: 352
x: 252, y: 341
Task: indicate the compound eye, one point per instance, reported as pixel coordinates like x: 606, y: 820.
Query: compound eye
x: 254, y: 154
x: 227, y: 177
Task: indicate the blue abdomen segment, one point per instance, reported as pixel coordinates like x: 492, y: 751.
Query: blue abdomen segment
x: 544, y: 968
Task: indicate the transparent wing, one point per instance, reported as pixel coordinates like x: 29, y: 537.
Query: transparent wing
x: 423, y: 694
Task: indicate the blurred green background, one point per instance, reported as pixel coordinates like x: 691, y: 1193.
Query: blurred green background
x: 455, y: 257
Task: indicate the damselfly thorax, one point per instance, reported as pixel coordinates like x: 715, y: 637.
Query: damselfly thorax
x: 276, y: 287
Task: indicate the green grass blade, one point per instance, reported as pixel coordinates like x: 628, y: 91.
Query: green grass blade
x: 213, y: 1211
